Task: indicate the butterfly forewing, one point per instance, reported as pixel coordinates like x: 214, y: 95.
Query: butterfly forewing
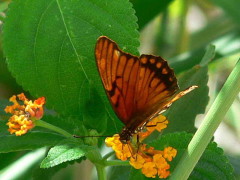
x: 116, y: 69
x: 137, y: 87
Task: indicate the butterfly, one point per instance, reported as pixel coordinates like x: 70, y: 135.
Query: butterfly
x: 138, y: 88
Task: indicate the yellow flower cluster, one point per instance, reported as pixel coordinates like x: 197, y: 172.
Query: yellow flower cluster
x: 151, y: 162
x: 158, y: 123
x: 24, y: 115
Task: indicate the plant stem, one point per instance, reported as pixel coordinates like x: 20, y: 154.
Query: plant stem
x: 209, y: 125
x: 108, y: 155
x: 116, y: 163
x: 101, y: 172
x: 95, y: 157
x: 52, y: 127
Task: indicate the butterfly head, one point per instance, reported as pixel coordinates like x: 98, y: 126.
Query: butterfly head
x: 125, y: 135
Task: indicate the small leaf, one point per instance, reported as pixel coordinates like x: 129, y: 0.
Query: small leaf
x: 208, y: 56
x: 64, y: 152
x: 31, y: 140
x: 187, y: 60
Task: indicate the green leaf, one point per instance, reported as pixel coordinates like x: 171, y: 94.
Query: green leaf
x: 208, y: 56
x: 66, y: 151
x: 50, y: 49
x: 47, y: 174
x: 188, y: 60
x: 212, y: 165
x: 3, y: 115
x: 7, y: 159
x: 68, y: 124
x: 31, y: 140
x: 146, y: 10
x: 119, y: 172
x: 235, y: 161
x: 182, y: 113
x: 9, y: 85
x: 94, y: 116
x: 3, y: 6
x: 231, y: 7
x: 24, y: 165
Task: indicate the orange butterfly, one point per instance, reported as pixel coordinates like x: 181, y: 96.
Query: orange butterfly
x: 139, y: 88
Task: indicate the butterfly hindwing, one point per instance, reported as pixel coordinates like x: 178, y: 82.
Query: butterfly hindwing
x: 157, y: 81
x: 156, y: 84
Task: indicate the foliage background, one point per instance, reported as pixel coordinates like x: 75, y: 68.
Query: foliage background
x: 177, y: 30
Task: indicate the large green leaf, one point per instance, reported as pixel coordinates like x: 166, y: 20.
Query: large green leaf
x: 182, y: 113
x: 32, y: 140
x: 8, y: 83
x: 3, y: 114
x: 212, y: 165
x: 49, y: 47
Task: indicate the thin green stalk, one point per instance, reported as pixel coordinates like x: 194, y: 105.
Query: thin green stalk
x: 108, y: 155
x: 101, y: 172
x: 116, y: 163
x: 209, y: 125
x: 53, y: 128
x: 95, y: 157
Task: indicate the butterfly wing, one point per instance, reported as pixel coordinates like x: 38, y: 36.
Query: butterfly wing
x: 156, y: 85
x: 137, y: 87
x: 118, y: 71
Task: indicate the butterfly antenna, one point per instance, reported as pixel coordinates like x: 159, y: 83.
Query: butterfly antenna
x: 75, y: 136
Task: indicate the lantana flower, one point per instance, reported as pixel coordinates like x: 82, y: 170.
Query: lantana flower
x: 24, y: 115
x: 152, y: 162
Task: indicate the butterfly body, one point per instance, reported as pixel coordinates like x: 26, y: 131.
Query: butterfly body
x: 138, y: 88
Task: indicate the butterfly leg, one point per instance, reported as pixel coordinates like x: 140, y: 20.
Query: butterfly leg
x: 130, y: 150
